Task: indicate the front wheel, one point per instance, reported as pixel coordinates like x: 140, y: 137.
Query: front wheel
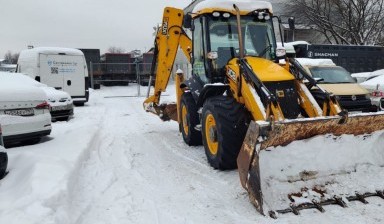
x: 224, y: 125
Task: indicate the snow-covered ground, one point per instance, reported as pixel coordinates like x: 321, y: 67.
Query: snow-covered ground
x: 115, y: 163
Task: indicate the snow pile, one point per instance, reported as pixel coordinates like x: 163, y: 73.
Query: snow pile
x: 340, y: 165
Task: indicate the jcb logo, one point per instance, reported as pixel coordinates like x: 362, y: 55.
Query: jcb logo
x: 164, y: 28
x: 280, y: 93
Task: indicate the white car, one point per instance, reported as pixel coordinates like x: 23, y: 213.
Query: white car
x: 365, y: 76
x: 24, y: 111
x: 3, y: 157
x: 60, y: 102
x: 376, y: 87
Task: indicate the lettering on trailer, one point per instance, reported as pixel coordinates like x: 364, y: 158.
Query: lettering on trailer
x: 164, y: 28
x: 322, y: 54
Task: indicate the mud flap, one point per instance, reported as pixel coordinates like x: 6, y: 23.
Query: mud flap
x: 262, y: 135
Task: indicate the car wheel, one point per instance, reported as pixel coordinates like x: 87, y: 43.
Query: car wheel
x: 3, y: 164
x: 31, y: 141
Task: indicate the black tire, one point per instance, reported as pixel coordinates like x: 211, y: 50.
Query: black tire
x: 78, y: 104
x: 224, y: 125
x: 189, y: 120
x: 3, y: 164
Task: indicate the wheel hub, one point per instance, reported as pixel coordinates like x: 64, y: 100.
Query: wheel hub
x: 213, y: 134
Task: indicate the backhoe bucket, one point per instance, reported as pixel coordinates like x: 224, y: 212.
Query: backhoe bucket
x: 308, y: 163
x: 166, y: 111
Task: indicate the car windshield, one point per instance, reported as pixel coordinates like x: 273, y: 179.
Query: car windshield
x: 331, y: 75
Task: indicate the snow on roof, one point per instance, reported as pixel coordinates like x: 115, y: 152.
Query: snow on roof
x: 243, y: 5
x: 288, y: 47
x: 378, y: 72
x: 20, y: 78
x: 293, y: 43
x: 315, y: 62
x: 372, y: 83
x: 15, y: 88
x: 363, y: 76
x: 51, y: 50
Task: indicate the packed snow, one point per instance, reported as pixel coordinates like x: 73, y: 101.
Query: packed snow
x: 115, y: 163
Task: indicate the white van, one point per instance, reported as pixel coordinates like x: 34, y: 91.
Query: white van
x: 62, y: 68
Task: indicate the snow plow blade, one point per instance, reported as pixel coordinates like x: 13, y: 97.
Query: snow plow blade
x: 308, y: 163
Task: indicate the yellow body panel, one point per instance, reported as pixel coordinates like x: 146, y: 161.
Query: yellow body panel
x: 268, y: 71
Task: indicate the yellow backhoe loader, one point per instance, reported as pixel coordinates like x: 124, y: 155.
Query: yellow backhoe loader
x: 251, y: 108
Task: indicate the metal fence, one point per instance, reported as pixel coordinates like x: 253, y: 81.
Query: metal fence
x: 121, y: 74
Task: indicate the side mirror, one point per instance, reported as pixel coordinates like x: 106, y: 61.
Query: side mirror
x: 291, y: 23
x: 280, y: 53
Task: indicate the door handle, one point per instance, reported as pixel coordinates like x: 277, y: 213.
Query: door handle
x: 69, y: 82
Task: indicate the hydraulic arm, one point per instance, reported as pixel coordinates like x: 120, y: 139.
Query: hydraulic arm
x: 169, y: 38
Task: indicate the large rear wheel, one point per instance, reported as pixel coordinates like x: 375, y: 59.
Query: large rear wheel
x: 224, y: 125
x: 189, y: 120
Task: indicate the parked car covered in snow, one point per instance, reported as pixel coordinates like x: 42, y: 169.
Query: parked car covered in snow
x: 3, y: 157
x: 24, y: 111
x: 365, y: 76
x: 60, y: 102
x: 376, y: 87
x: 337, y: 80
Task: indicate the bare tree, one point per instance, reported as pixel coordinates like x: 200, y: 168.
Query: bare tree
x: 114, y: 49
x: 11, y: 58
x: 342, y: 21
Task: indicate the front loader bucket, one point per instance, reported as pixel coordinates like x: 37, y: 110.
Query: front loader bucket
x: 308, y: 163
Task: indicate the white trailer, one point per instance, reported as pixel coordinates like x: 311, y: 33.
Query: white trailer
x: 62, y: 68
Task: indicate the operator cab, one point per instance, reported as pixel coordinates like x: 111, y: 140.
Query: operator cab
x: 216, y: 41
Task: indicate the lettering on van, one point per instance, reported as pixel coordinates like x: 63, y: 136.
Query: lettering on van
x: 61, y: 63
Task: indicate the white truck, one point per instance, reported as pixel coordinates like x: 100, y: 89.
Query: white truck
x: 62, y: 68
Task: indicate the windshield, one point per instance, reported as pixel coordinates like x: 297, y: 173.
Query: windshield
x: 259, y: 39
x: 332, y: 74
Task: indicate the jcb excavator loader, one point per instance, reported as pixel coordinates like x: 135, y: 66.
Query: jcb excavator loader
x: 252, y: 112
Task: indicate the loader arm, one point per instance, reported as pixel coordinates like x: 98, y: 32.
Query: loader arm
x: 331, y: 106
x: 169, y: 38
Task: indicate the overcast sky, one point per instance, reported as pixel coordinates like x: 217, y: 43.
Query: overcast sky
x: 80, y: 23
